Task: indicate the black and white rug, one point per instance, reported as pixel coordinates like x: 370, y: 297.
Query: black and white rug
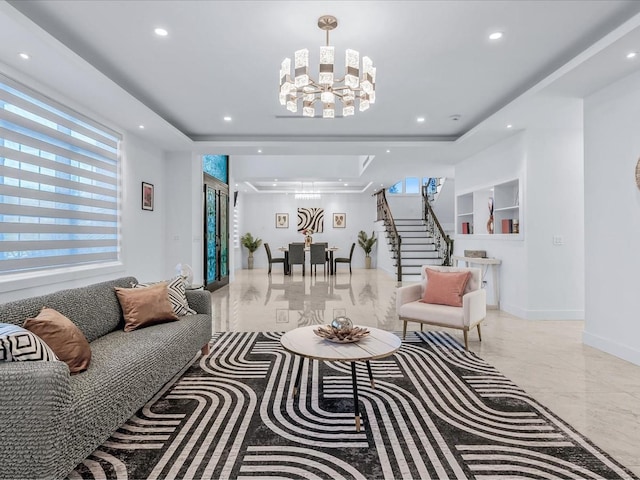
x: 437, y: 411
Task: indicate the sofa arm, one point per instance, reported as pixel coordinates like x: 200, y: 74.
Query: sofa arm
x: 409, y: 293
x: 35, y: 409
x: 199, y: 300
x: 474, y: 305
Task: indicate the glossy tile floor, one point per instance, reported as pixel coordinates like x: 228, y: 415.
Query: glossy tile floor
x: 596, y: 393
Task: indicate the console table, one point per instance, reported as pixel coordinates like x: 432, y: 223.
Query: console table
x: 484, y: 264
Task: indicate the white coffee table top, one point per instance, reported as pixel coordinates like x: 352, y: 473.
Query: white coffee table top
x: 378, y: 344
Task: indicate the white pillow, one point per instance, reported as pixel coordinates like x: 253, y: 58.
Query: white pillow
x: 20, y: 345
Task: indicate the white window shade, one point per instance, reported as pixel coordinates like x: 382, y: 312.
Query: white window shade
x: 59, y: 185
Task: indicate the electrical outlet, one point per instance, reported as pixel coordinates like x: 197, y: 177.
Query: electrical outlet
x: 558, y: 240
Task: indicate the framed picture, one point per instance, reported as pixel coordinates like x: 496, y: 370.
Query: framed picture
x: 282, y: 220
x: 282, y: 315
x: 147, y: 196
x: 339, y: 220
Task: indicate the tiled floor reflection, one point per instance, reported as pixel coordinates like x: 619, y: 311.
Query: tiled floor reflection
x: 598, y: 394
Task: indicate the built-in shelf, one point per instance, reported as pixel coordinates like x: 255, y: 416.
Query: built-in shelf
x: 473, y: 212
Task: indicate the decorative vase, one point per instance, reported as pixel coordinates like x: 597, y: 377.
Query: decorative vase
x: 308, y: 240
x: 367, y: 262
x: 490, y: 225
x: 250, y: 261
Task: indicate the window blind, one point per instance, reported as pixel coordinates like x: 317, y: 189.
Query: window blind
x: 59, y: 184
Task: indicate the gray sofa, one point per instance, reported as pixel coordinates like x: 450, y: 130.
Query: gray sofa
x: 51, y: 420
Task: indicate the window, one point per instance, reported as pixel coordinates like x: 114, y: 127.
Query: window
x: 395, y: 189
x: 59, y: 185
x: 412, y: 185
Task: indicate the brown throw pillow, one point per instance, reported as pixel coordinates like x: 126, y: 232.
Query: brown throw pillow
x: 143, y: 307
x: 63, y: 337
x: 445, y: 288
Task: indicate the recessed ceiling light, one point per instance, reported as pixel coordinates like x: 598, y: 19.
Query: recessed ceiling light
x: 388, y: 151
x: 274, y: 184
x: 275, y: 179
x: 346, y: 184
x: 339, y: 179
x: 24, y: 56
x: 227, y: 119
x: 259, y: 151
x: 161, y: 32
x: 420, y: 119
x: 141, y: 127
x: 632, y: 54
x: 509, y: 126
x: 495, y: 36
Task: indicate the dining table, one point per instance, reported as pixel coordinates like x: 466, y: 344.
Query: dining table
x: 329, y: 250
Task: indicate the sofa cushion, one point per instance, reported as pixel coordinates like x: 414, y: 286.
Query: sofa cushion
x: 445, y: 288
x: 143, y: 307
x: 64, y: 338
x: 435, y: 314
x: 20, y: 345
x: 177, y: 295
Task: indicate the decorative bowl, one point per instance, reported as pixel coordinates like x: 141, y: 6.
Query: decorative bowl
x: 344, y: 335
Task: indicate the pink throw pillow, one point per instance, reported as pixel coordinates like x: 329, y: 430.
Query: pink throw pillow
x: 445, y: 288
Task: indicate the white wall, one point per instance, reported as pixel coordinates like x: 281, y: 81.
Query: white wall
x: 612, y: 219
x: 257, y: 215
x: 184, y: 222
x: 538, y: 280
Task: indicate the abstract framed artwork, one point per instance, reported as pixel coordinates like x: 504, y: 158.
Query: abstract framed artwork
x: 282, y: 220
x: 339, y: 220
x: 282, y: 315
x: 311, y: 219
x: 147, y: 196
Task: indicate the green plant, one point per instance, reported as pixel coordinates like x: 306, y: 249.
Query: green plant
x: 366, y: 243
x: 250, y: 243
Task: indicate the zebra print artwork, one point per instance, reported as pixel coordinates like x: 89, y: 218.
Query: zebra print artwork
x: 436, y: 411
x: 311, y: 218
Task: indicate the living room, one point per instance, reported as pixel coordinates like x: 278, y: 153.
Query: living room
x: 564, y: 129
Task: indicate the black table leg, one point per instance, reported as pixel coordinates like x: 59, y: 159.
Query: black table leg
x: 330, y: 262
x: 296, y: 383
x: 286, y: 263
x: 356, y: 405
x: 373, y: 385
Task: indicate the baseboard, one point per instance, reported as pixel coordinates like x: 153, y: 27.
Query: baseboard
x: 543, y: 314
x: 612, y: 347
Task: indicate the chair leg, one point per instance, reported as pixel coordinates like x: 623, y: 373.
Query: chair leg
x: 404, y: 330
x: 479, y: 333
x: 349, y: 268
x: 422, y: 327
x: 466, y: 339
x: 269, y: 268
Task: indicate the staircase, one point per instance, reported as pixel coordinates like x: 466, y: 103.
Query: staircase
x: 417, y: 248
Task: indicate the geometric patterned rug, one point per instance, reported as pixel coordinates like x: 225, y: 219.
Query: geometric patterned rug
x: 437, y: 411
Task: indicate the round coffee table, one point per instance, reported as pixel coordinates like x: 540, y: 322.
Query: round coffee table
x: 378, y: 344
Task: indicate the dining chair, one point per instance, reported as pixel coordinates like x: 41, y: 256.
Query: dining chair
x: 274, y: 260
x: 344, y: 260
x: 296, y: 256
x: 319, y: 257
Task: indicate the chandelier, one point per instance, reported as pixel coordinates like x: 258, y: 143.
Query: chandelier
x: 327, y: 88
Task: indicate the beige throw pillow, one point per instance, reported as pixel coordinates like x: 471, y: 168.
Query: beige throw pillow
x: 63, y: 337
x: 143, y: 307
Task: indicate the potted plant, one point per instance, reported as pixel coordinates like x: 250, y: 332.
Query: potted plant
x: 367, y: 244
x: 252, y: 245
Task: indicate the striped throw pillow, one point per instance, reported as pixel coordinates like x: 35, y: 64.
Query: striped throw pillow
x: 177, y: 295
x: 20, y: 345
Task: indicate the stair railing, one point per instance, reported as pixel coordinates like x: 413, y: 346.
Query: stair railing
x: 384, y: 214
x: 442, y: 241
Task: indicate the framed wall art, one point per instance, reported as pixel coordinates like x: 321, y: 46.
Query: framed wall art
x: 147, y: 196
x: 311, y: 219
x: 339, y: 220
x: 282, y: 220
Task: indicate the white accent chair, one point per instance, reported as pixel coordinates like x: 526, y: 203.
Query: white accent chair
x: 410, y: 308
